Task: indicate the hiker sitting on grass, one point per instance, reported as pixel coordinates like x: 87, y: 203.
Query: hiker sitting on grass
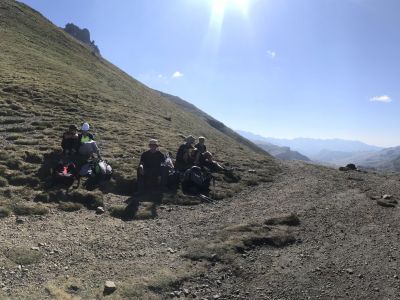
x: 184, y: 157
x: 87, y: 146
x: 199, y: 148
x: 151, y: 166
x: 206, y: 161
x: 69, y: 141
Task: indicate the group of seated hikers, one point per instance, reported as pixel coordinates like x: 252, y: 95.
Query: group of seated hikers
x: 191, y: 164
x: 82, y: 143
x: 78, y: 159
x: 192, y: 161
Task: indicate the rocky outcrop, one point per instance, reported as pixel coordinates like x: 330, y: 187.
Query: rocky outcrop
x: 82, y: 35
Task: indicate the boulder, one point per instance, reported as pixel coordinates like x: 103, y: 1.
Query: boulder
x: 109, y: 287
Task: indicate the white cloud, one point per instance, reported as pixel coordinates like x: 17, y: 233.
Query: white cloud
x: 271, y: 54
x: 383, y: 98
x: 177, y: 74
x: 160, y: 76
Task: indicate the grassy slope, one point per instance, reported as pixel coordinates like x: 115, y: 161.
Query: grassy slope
x: 49, y: 80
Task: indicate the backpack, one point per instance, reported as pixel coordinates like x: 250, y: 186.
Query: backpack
x: 195, y: 179
x: 65, y: 172
x: 96, y: 169
x: 173, y: 180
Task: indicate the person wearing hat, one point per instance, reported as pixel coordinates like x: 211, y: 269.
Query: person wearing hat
x: 151, y: 166
x: 87, y: 146
x: 69, y: 141
x: 199, y: 148
x: 184, y: 156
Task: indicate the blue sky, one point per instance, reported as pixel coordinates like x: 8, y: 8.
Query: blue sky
x: 279, y: 68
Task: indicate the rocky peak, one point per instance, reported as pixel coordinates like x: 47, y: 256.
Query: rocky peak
x: 81, y: 34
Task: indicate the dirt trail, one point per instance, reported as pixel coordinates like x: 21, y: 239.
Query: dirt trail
x: 347, y: 247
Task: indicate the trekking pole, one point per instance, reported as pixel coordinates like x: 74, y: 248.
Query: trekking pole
x: 213, y: 187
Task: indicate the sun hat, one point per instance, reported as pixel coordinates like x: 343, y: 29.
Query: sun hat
x: 190, y: 139
x: 153, y: 142
x: 85, y: 127
x: 201, y: 138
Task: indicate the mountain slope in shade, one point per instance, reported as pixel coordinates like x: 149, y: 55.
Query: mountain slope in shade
x: 385, y: 160
x: 283, y: 153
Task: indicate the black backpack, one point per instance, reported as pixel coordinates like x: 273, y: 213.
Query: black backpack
x: 195, y: 178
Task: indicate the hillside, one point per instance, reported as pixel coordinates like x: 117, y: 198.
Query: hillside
x: 387, y: 160
x: 50, y: 80
x: 188, y: 107
x: 283, y: 153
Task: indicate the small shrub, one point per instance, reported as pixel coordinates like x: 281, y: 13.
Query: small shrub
x: 90, y: 200
x: 251, y: 182
x: 70, y: 206
x: 13, y: 163
x: 12, y: 137
x: 4, y: 212
x: 4, y: 155
x: 13, y: 121
x: 23, y: 256
x: 25, y: 142
x: 42, y: 197
x: 19, y: 180
x: 118, y: 211
x: 3, y: 182
x: 25, y: 209
x: 146, y: 210
x: 33, y: 158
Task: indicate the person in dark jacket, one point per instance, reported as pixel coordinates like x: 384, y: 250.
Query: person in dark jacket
x: 151, y: 166
x: 87, y: 146
x: 199, y: 149
x: 184, y: 157
x: 70, y: 140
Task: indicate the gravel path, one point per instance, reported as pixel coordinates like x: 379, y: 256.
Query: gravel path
x: 347, y: 246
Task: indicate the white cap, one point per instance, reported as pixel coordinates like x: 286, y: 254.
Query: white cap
x: 85, y: 127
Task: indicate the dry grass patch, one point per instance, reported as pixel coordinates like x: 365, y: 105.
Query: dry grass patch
x: 288, y: 219
x: 4, y: 211
x: 23, y: 255
x: 24, y: 209
x: 3, y: 181
x: 231, y: 240
x: 70, y: 206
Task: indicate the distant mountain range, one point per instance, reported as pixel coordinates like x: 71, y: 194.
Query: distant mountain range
x: 335, y: 152
x: 283, y: 153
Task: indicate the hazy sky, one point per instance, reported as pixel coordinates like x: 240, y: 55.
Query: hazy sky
x: 280, y: 68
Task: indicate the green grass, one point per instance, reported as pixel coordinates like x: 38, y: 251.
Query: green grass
x: 70, y: 206
x: 228, y: 242
x: 48, y: 81
x: 22, y: 209
x: 4, y: 211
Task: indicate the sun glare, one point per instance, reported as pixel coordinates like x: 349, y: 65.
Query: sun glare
x: 218, y: 11
x: 219, y: 6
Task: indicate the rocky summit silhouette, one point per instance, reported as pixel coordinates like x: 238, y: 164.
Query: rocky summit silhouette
x: 81, y: 34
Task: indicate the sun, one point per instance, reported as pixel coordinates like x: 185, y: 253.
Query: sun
x: 218, y: 10
x: 219, y: 6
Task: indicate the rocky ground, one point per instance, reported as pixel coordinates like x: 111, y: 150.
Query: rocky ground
x: 345, y: 247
